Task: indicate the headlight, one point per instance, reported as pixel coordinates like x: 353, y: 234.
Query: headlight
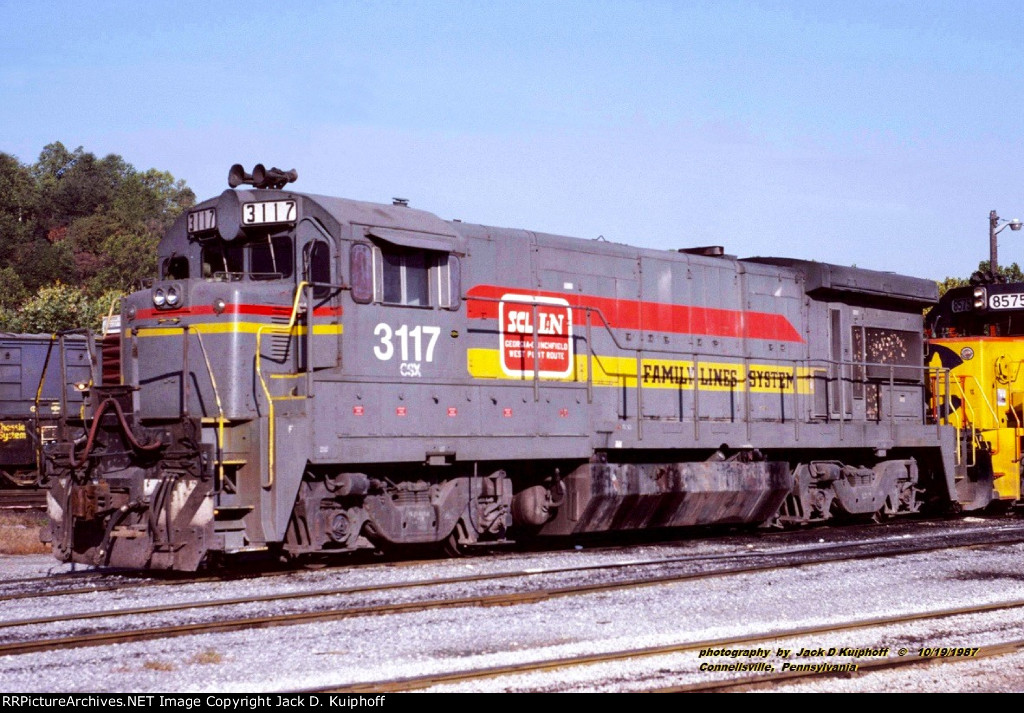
x: 979, y: 297
x: 172, y: 296
x: 159, y: 298
x: 131, y: 312
x: 219, y: 305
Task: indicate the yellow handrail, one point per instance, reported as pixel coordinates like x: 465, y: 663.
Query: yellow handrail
x: 275, y: 329
x: 971, y: 419
x: 220, y: 409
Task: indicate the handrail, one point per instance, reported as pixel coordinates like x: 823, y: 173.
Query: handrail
x: 186, y: 375
x: 110, y: 313
x: 275, y: 329
x: 971, y: 417
x: 220, y: 411
x: 984, y: 397
x: 964, y: 423
x: 1010, y: 392
x: 58, y: 338
x: 39, y: 396
x: 655, y: 349
x: 1017, y: 424
x: 841, y: 369
x: 1016, y: 416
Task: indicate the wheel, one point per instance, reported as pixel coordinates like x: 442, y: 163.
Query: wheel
x: 450, y: 546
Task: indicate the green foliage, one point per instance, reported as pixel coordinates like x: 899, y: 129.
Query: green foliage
x: 153, y: 195
x: 1007, y: 273
x: 17, y: 207
x: 53, y: 308
x: 40, y: 263
x: 128, y: 257
x: 12, y: 289
x: 951, y: 283
x: 75, y: 229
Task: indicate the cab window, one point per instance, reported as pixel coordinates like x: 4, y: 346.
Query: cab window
x: 317, y: 259
x: 267, y: 258
x: 361, y: 273
x: 222, y: 259
x: 405, y: 278
x: 175, y: 268
x: 271, y: 259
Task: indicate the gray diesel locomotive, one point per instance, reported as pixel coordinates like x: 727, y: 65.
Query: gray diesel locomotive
x: 310, y: 374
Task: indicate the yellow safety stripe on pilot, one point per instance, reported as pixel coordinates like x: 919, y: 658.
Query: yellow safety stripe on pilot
x: 663, y: 373
x: 235, y: 327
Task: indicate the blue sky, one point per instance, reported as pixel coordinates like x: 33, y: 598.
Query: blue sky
x: 871, y: 133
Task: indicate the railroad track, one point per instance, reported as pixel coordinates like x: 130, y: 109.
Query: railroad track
x: 103, y: 580
x: 770, y: 638
x: 554, y: 583
x: 95, y: 580
x: 912, y: 659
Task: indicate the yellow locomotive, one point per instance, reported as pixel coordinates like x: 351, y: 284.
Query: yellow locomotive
x: 977, y: 332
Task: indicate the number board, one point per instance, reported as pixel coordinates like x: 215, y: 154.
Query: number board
x: 268, y: 212
x: 202, y: 220
x: 1009, y: 300
x: 962, y: 305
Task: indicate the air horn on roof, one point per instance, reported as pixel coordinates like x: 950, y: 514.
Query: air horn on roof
x: 261, y: 177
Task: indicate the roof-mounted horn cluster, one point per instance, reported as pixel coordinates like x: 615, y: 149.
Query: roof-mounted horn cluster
x: 260, y: 177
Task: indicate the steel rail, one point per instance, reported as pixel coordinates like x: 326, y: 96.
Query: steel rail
x: 504, y: 599
x: 413, y: 683
x: 771, y: 680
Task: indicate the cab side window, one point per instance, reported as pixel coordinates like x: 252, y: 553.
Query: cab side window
x: 405, y: 277
x: 175, y: 268
x: 361, y: 273
x: 317, y: 259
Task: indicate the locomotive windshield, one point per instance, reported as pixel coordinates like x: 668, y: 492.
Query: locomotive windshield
x: 262, y: 258
x: 272, y: 259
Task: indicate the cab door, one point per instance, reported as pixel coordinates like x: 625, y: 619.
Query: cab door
x: 320, y: 330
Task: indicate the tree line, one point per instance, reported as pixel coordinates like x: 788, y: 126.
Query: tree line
x: 76, y: 233
x: 1004, y: 274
